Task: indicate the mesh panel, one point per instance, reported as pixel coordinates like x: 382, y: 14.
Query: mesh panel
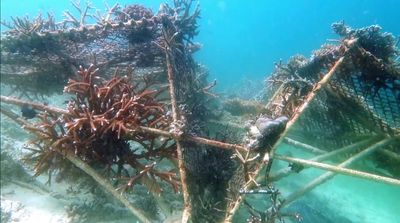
x: 361, y: 99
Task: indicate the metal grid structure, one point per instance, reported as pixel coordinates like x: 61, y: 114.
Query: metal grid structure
x: 361, y: 74
x: 361, y: 99
x: 344, y: 100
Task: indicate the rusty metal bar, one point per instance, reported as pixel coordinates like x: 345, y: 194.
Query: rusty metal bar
x: 304, y: 146
x: 340, y: 169
x: 347, y: 149
x: 107, y: 186
x: 196, y: 139
x: 320, y: 85
x: 187, y: 206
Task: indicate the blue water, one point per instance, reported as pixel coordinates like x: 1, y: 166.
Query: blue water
x: 242, y: 39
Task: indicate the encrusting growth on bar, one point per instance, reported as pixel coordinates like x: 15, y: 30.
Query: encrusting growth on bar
x: 141, y: 114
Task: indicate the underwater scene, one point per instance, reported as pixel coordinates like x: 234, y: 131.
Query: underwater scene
x: 259, y: 111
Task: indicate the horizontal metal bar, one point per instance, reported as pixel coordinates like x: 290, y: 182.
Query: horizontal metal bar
x: 196, y: 139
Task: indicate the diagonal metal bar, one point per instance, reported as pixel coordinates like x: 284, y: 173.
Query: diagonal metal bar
x: 340, y: 169
x: 310, y: 97
x: 321, y: 84
x: 307, y: 147
x: 105, y: 184
x: 37, y: 106
x: 347, y: 149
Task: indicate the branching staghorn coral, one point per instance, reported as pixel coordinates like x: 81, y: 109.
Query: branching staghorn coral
x: 108, y: 111
x: 122, y: 37
x: 100, y: 121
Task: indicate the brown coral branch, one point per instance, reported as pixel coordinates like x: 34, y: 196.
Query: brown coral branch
x: 88, y: 170
x: 196, y: 139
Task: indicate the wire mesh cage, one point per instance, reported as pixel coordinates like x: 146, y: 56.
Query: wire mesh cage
x: 140, y: 112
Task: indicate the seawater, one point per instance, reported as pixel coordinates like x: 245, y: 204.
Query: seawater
x: 241, y: 41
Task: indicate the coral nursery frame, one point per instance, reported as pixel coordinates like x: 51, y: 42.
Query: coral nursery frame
x: 299, y: 93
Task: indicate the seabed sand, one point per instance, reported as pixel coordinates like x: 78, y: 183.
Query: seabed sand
x: 27, y: 199
x: 341, y: 199
x: 25, y: 205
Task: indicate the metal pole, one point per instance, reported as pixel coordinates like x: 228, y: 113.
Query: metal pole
x: 196, y: 139
x: 187, y: 209
x: 88, y: 170
x: 304, y: 146
x: 310, y: 97
x: 322, y: 83
x: 284, y: 172
x: 340, y: 169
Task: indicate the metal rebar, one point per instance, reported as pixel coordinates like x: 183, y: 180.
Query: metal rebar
x: 19, y: 102
x: 390, y: 154
x: 304, y: 146
x: 187, y: 209
x: 88, y: 170
x: 323, y: 82
x: 107, y: 186
x: 310, y: 97
x: 196, y: 139
x: 347, y: 149
x: 340, y: 169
